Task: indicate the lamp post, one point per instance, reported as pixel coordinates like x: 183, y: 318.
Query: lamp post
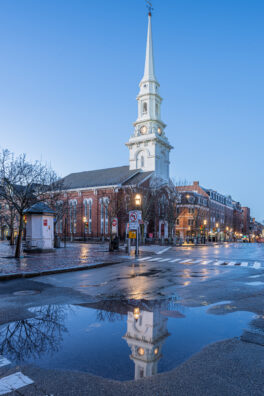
x: 227, y: 229
x: 138, y: 204
x: 216, y: 226
x: 205, y: 223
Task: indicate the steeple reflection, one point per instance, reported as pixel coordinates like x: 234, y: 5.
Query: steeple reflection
x: 146, y: 334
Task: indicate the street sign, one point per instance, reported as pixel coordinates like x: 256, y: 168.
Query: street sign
x: 115, y: 225
x: 135, y: 217
x: 132, y: 235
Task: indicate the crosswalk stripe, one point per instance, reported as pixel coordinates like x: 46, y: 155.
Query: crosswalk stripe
x: 174, y: 261
x: 162, y: 260
x: 197, y: 261
x: 231, y: 263
x: 256, y: 265
x: 164, y: 250
x: 206, y: 262
x: 4, y: 361
x: 244, y: 264
x: 13, y: 382
x: 155, y: 259
x: 219, y: 263
x: 144, y: 258
x: 186, y: 261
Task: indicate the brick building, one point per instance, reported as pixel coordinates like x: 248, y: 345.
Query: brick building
x: 206, y: 212
x: 246, y: 220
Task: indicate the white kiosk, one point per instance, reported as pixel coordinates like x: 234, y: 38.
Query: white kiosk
x: 39, y: 228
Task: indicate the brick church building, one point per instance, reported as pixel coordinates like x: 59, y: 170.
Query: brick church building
x: 92, y: 198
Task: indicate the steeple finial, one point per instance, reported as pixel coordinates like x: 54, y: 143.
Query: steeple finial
x: 149, y: 73
x: 149, y: 7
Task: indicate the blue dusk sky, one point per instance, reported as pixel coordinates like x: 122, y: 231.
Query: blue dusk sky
x: 69, y: 75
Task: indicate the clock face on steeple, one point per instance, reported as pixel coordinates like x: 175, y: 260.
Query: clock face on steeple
x: 159, y: 131
x: 143, y: 130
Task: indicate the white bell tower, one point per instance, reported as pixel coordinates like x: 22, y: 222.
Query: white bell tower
x: 149, y: 148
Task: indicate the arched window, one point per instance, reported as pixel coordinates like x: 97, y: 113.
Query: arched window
x: 141, y: 159
x: 145, y: 107
x: 73, y: 216
x: 88, y: 215
x: 157, y: 109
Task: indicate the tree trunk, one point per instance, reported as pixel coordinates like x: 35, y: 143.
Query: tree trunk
x: 12, y: 241
x: 19, y: 237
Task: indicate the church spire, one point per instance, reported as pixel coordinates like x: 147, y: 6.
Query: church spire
x: 149, y: 73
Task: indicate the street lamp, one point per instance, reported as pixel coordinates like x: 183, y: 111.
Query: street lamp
x: 205, y: 222
x: 138, y: 200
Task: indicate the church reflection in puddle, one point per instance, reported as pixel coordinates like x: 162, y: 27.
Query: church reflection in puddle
x: 99, y: 338
x: 146, y: 333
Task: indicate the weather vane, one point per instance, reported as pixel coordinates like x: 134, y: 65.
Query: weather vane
x: 149, y: 6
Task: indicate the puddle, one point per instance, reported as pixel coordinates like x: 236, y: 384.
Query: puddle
x: 118, y: 340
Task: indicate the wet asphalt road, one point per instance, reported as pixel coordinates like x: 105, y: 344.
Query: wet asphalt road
x: 230, y: 276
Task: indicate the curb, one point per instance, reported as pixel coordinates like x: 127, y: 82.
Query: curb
x: 22, y: 275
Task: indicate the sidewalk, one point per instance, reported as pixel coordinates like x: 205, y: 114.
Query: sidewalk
x: 72, y: 258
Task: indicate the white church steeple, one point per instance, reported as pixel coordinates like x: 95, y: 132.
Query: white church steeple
x: 148, y: 146
x: 149, y: 73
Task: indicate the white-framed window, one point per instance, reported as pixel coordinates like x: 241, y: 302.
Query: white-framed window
x: 102, y: 218
x: 145, y: 108
x: 106, y: 218
x: 88, y: 215
x: 73, y: 216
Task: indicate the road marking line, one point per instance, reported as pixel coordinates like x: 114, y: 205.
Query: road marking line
x: 161, y: 261
x: 244, y: 264
x: 4, y: 361
x: 174, y: 261
x: 219, y: 263
x: 164, y: 250
x: 256, y: 265
x: 206, y: 262
x: 13, y: 382
x: 144, y: 258
x: 186, y: 261
x: 154, y: 259
x: 197, y: 261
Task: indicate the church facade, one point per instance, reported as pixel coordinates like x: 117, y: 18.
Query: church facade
x: 92, y: 199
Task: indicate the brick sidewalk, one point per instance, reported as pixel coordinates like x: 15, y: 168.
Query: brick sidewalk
x: 74, y: 256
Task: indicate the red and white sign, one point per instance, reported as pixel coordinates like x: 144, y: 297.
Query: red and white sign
x: 115, y: 225
x: 133, y: 216
x: 114, y: 222
x: 45, y: 222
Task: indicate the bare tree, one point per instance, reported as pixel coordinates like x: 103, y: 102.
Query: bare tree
x: 24, y: 183
x: 8, y: 216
